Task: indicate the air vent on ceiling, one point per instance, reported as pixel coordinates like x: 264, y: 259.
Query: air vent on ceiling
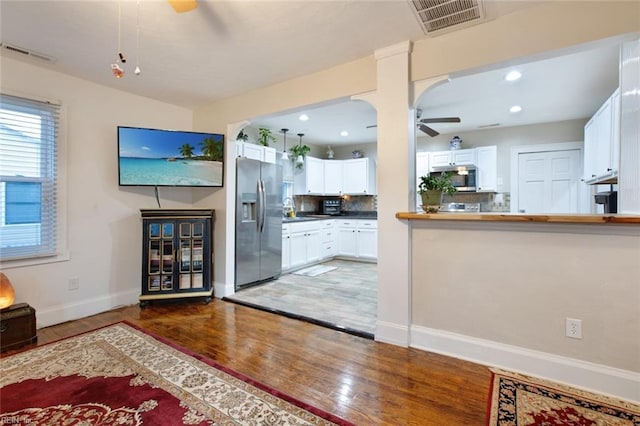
x: 21, y: 51
x: 439, y: 16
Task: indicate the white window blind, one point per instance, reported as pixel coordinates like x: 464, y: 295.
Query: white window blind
x: 28, y: 139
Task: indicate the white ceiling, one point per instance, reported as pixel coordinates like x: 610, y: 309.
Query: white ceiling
x: 224, y: 48
x: 565, y: 87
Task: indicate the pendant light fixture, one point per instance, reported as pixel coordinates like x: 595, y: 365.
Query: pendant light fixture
x: 285, y: 156
x: 116, y: 69
x: 137, y: 70
x: 300, y: 159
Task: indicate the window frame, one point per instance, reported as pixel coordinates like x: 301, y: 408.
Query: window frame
x: 58, y: 186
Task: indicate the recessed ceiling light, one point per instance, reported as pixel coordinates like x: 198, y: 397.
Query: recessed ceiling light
x: 513, y: 75
x: 303, y: 117
x: 515, y: 108
x: 344, y: 133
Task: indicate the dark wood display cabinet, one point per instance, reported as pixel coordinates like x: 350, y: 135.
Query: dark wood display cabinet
x: 177, y: 254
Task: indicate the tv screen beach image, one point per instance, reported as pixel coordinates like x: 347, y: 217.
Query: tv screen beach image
x: 149, y: 157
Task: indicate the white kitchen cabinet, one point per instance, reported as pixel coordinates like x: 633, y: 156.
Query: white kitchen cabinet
x: 305, y: 243
x: 333, y: 177
x: 269, y: 155
x: 486, y: 168
x: 329, y: 241
x: 457, y: 157
x: 602, y: 143
x: 309, y: 180
x: 358, y: 238
x: 359, y: 176
x: 286, y: 247
x: 255, y: 152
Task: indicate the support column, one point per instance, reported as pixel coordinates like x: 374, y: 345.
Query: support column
x: 395, y: 166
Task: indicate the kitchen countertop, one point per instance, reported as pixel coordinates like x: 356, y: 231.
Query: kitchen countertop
x: 514, y: 217
x: 311, y: 216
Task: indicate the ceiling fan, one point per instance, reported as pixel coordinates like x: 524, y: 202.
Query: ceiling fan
x: 428, y: 130
x: 183, y: 5
x: 422, y: 123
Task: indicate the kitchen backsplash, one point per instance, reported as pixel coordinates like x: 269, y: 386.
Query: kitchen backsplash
x: 350, y: 203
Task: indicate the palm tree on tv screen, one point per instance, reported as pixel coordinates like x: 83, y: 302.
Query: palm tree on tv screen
x: 212, y: 149
x: 186, y: 151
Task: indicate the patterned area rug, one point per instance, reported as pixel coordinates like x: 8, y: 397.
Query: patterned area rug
x: 521, y: 400
x: 122, y: 375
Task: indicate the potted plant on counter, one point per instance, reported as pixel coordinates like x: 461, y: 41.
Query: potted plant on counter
x: 431, y: 189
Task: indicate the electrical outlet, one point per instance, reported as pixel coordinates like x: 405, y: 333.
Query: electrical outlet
x: 573, y: 328
x: 74, y: 283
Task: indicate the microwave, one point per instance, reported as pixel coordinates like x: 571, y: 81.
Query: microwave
x: 463, y: 177
x: 332, y: 206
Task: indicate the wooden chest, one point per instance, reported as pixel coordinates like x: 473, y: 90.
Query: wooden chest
x: 17, y: 326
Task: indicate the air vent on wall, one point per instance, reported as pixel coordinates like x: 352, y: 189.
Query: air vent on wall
x: 21, y: 51
x: 440, y: 16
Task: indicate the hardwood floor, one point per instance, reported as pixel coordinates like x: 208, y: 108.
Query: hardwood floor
x: 365, y: 382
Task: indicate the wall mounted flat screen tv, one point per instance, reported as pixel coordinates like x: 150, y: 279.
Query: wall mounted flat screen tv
x: 154, y: 157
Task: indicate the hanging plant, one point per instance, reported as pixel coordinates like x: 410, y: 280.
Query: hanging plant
x: 299, y: 151
x: 265, y: 136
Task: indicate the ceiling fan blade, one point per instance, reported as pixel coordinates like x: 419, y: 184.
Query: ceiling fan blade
x: 181, y: 6
x: 428, y: 130
x: 441, y: 120
x: 372, y: 126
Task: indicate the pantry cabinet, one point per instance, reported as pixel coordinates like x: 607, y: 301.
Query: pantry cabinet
x: 177, y: 254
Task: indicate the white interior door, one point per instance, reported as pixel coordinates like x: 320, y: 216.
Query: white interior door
x: 548, y: 182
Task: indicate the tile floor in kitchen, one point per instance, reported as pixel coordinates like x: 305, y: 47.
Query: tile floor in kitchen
x: 343, y: 298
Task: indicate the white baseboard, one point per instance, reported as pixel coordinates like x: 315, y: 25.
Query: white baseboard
x: 596, y: 377
x: 221, y: 290
x: 72, y: 311
x: 394, y: 334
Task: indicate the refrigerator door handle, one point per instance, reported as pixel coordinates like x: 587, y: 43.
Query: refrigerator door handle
x: 259, y: 205
x: 263, y: 206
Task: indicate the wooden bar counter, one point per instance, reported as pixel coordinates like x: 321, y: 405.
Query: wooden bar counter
x: 514, y: 217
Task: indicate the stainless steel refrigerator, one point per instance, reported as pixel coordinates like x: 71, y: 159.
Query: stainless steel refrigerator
x: 258, y: 222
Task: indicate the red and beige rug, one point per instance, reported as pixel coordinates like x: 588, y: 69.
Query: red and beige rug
x: 521, y: 400
x: 122, y: 375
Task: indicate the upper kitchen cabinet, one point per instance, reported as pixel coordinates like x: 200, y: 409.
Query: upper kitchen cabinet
x: 602, y: 143
x: 458, y: 157
x: 333, y: 177
x: 336, y: 177
x: 309, y: 180
x: 359, y: 176
x: 486, y: 168
x: 256, y: 152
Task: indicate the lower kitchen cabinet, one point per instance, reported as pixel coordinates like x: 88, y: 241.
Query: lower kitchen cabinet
x: 286, y: 247
x: 305, y: 243
x: 358, y: 238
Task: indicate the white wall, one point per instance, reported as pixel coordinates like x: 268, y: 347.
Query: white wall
x: 103, y: 232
